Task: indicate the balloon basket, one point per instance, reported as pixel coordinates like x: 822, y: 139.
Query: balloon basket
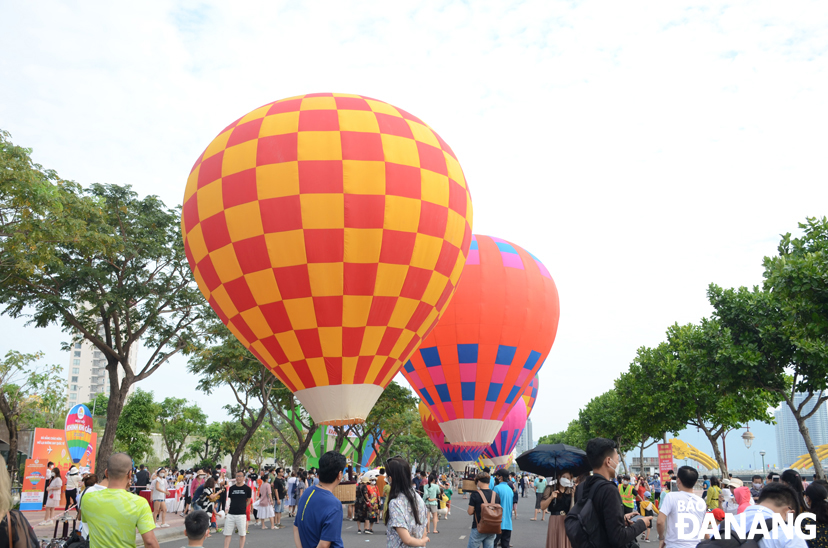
x: 469, y: 485
x: 346, y: 493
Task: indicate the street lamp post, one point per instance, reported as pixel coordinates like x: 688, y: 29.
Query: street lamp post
x: 763, y: 460
x: 747, y: 437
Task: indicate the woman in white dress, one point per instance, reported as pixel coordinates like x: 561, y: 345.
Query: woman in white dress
x: 53, y: 496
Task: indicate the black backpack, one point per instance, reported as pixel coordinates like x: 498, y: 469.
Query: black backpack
x: 583, y: 527
x: 735, y: 541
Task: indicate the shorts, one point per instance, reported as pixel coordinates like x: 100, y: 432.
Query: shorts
x: 650, y: 514
x: 159, y: 500
x: 279, y: 507
x: 432, y: 508
x: 235, y: 521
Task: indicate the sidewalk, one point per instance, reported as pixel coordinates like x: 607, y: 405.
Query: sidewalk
x: 163, y: 534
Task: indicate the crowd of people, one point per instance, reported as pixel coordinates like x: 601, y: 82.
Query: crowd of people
x: 622, y: 511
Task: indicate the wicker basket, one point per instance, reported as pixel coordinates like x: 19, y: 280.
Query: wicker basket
x: 346, y: 493
x: 469, y: 485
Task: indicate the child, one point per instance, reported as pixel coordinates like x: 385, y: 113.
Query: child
x: 196, y: 525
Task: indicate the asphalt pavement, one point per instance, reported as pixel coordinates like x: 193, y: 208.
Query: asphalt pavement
x: 454, y: 532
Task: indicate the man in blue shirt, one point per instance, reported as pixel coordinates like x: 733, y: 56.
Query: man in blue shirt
x: 506, y: 496
x: 319, y: 513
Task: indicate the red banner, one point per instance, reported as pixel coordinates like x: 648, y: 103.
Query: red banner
x: 665, y: 460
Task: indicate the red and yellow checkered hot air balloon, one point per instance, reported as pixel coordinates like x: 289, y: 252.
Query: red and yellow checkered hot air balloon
x: 328, y: 232
x: 490, y: 342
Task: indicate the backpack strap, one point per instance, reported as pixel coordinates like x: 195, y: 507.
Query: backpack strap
x: 9, y: 527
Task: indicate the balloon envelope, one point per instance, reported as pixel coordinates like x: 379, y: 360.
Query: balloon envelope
x: 506, y: 439
x: 328, y: 232
x: 78, y: 431
x: 458, y: 457
x: 489, y: 344
x: 531, y: 394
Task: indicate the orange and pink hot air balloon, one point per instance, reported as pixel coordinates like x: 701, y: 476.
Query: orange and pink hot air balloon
x: 531, y: 394
x: 458, y: 457
x: 328, y: 232
x: 489, y: 344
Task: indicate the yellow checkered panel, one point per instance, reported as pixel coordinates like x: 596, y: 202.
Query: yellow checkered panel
x: 328, y: 232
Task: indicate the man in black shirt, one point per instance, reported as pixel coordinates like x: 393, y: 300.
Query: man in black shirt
x: 616, y: 528
x: 279, y: 494
x: 239, y: 496
x: 475, y: 502
x: 142, y: 478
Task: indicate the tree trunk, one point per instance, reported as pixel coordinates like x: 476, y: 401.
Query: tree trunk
x: 117, y: 399
x: 299, y: 455
x: 237, y: 454
x: 641, y: 458
x: 624, y: 461
x: 12, y: 464
x: 714, y: 441
x: 806, y: 435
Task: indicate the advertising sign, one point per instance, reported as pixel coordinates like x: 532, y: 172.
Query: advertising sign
x: 665, y: 460
x: 50, y: 445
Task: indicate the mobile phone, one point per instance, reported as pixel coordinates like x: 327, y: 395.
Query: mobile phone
x: 775, y: 478
x: 635, y: 518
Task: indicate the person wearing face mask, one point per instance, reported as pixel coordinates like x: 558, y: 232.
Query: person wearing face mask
x: 73, y: 480
x: 159, y: 497
x: 558, y: 504
x: 776, y: 498
x: 615, y: 528
x: 755, y: 487
x: 816, y: 498
x: 53, y: 499
x: 627, y: 494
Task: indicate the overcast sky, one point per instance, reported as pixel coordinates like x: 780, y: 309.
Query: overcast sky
x: 641, y: 150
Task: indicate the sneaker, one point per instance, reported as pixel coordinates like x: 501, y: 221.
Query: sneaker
x: 369, y: 532
x: 164, y: 525
x: 359, y: 532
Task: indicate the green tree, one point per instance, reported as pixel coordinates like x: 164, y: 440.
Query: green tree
x: 39, y: 213
x: 133, y: 435
x: 574, y: 435
x: 416, y: 446
x: 602, y: 418
x: 765, y: 354
x: 119, y: 277
x: 259, y: 447
x: 225, y: 362
x: 25, y: 392
x: 291, y: 423
x: 394, y: 401
x: 685, y: 371
x: 797, y: 275
x: 177, y: 422
x: 214, y: 442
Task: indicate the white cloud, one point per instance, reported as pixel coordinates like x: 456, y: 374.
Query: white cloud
x: 641, y: 150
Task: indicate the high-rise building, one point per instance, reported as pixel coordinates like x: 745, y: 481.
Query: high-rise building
x: 87, y: 376
x: 525, y: 440
x: 789, y: 443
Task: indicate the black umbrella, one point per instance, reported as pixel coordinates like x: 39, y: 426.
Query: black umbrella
x: 551, y: 460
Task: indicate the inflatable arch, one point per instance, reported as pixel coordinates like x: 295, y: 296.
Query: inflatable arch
x: 805, y: 462
x: 683, y: 450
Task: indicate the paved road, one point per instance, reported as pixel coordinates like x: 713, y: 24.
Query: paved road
x: 454, y: 532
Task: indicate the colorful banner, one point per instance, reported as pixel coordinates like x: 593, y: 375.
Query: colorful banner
x: 665, y: 460
x: 51, y: 445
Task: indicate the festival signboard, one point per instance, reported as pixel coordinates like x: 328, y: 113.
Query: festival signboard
x: 51, y: 445
x: 665, y: 460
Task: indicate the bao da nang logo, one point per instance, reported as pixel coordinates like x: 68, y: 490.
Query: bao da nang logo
x: 689, y: 527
